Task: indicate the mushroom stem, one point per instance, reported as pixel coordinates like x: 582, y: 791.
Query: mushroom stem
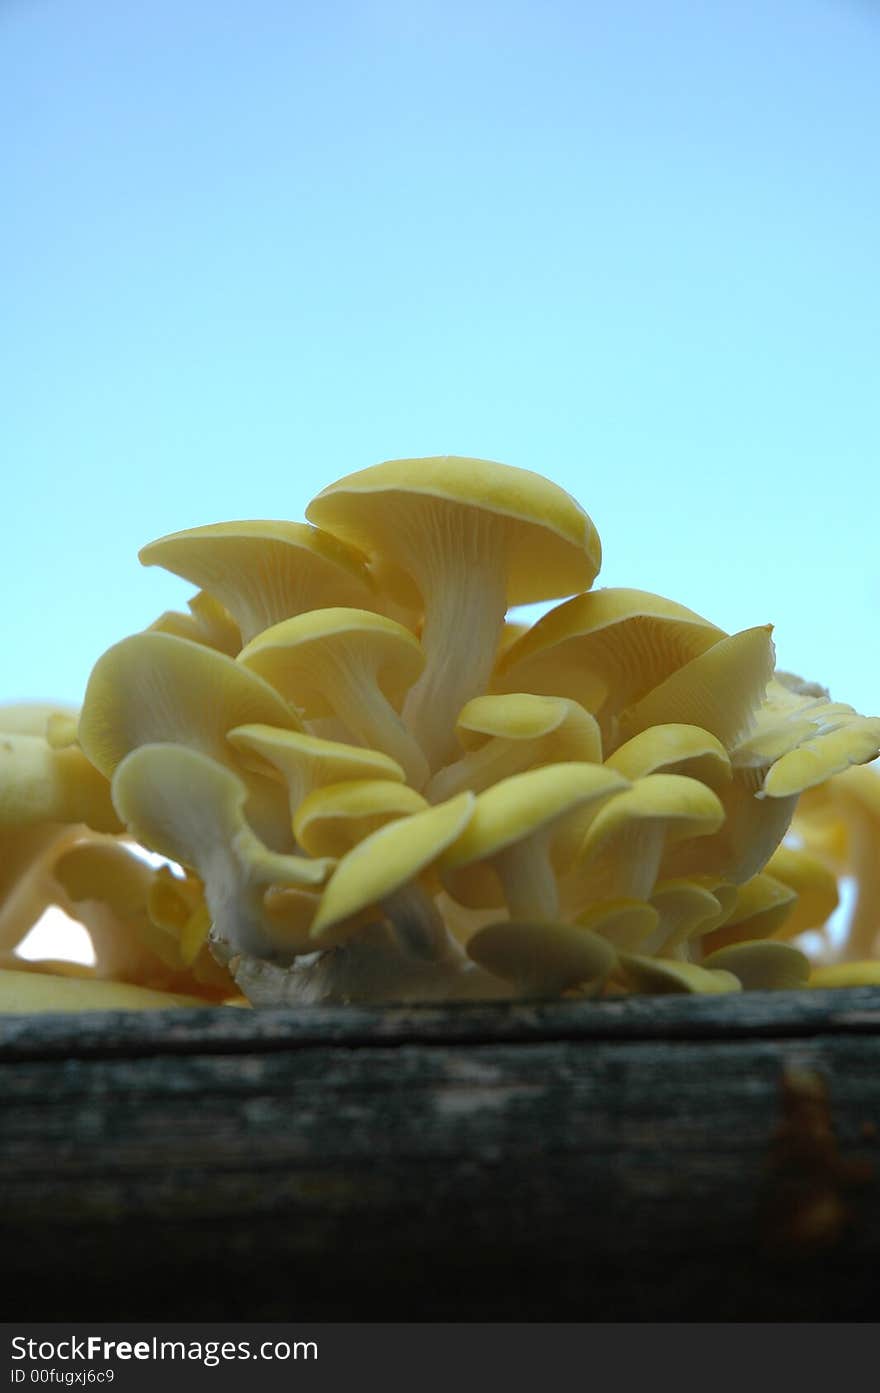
x: 528, y: 879
x: 418, y: 924
x: 370, y: 716
x: 463, y: 581
x: 481, y: 768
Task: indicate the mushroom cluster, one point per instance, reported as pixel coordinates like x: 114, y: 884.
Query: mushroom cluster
x: 374, y: 785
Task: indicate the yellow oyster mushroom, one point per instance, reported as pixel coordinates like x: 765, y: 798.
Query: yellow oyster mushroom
x: 674, y: 749
x: 851, y: 974
x: 347, y: 663
x: 510, y: 734
x: 24, y: 992
x: 332, y: 819
x: 40, y: 784
x: 522, y: 833
x: 687, y: 908
x: 191, y: 809
x: 762, y: 965
x: 473, y: 537
x: 762, y: 906
x: 720, y: 690
x: 664, y: 976
x: 605, y: 650
x: 622, y: 851
x: 27, y: 883
x: 208, y: 622
x: 155, y: 688
x: 813, y: 883
x: 307, y: 762
x: 625, y: 923
x: 384, y: 871
x: 544, y: 958
x: 264, y: 572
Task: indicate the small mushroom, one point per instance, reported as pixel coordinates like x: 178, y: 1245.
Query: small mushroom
x: 664, y: 976
x: 474, y: 537
x: 625, y: 923
x: 687, y: 908
x: 264, y: 572
x: 208, y: 622
x: 333, y: 819
x: 605, y: 650
x: 544, y: 958
x: 190, y: 808
x: 384, y: 870
x: 762, y: 906
x: 347, y: 663
x: 522, y: 833
x: 674, y: 749
x: 762, y: 965
x: 510, y: 734
x: 39, y: 784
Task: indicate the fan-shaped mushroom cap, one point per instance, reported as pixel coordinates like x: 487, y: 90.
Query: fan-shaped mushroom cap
x: 208, y: 622
x: 475, y: 537
x: 521, y: 826
x: 544, y: 959
x: 762, y: 965
x: 623, y: 847
x: 264, y: 572
x: 813, y: 883
x: 762, y: 906
x: 155, y: 688
x: 332, y: 819
x: 384, y: 863
x: 674, y: 749
x: 801, y: 738
x: 188, y: 807
x: 40, y: 784
x: 625, y: 923
x: 348, y: 663
x: 687, y: 908
x: 720, y: 691
x: 308, y: 762
x: 510, y: 734
x: 660, y: 976
x: 24, y: 992
x: 605, y: 649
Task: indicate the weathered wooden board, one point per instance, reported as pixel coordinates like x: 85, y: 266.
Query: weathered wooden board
x: 642, y: 1159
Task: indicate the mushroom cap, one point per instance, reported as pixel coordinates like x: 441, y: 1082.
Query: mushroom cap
x: 208, y: 622
x: 762, y: 965
x: 673, y: 749
x: 763, y: 904
x: 551, y: 547
x: 522, y: 804
x: 156, y: 688
x: 662, y: 976
x: 332, y: 819
x: 24, y: 992
x: 40, y: 784
x: 543, y: 959
x: 287, y: 654
x: 689, y: 907
x: 615, y: 642
x: 383, y: 862
x: 263, y: 571
x: 854, y: 974
x: 625, y: 923
x: 309, y: 761
x: 813, y: 883
x: 686, y: 807
x: 524, y: 716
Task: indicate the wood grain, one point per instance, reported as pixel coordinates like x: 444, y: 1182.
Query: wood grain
x: 642, y: 1159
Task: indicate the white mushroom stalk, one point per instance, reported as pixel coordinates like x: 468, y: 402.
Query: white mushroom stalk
x: 374, y: 784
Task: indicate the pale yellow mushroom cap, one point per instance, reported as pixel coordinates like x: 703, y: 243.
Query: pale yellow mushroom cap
x: 610, y: 646
x: 720, y: 691
x: 625, y: 923
x: 300, y: 656
x: 813, y: 883
x: 762, y: 965
x: 762, y: 906
x: 156, y: 688
x: 549, y: 545
x: 687, y: 908
x: 332, y: 819
x: 512, y: 733
x: 662, y: 976
x: 390, y: 858
x: 208, y: 622
x: 544, y: 959
x: 674, y: 749
x: 40, y: 784
x: 854, y: 974
x: 24, y: 992
x: 264, y: 571
x: 308, y: 761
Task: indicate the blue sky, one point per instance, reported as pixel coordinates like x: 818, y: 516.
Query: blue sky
x: 247, y: 249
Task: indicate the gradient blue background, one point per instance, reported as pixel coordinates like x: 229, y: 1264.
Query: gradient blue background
x: 248, y: 248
